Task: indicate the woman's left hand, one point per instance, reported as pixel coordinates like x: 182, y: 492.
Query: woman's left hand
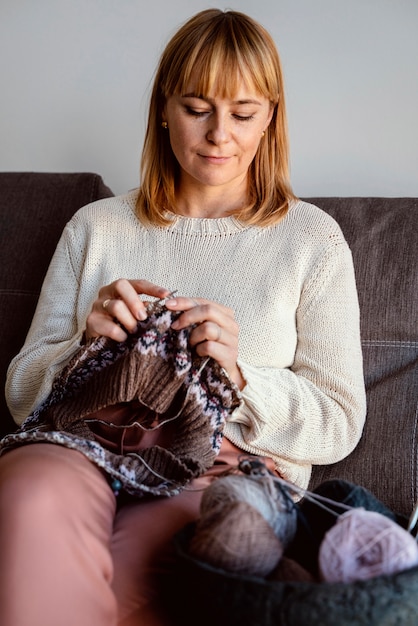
x: 215, y: 331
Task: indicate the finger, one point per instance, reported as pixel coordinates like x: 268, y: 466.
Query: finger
x: 182, y: 303
x: 107, y: 327
x: 128, y: 291
x: 150, y: 289
x: 116, y: 310
x: 101, y: 323
x: 215, y: 333
x: 209, y: 331
x: 119, y: 305
x: 225, y: 354
x: 196, y: 311
x: 220, y: 352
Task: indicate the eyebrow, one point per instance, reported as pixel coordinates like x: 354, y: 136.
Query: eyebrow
x: 211, y: 101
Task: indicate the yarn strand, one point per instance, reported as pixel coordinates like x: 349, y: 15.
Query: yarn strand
x: 253, y: 466
x: 315, y: 498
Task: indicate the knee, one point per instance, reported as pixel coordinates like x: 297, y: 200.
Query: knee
x: 50, y: 480
x: 29, y: 482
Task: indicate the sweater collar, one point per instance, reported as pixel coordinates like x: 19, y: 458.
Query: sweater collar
x: 195, y: 225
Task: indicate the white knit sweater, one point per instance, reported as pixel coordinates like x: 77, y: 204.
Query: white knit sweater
x: 292, y: 289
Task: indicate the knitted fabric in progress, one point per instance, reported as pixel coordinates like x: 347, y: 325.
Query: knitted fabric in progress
x: 156, y: 367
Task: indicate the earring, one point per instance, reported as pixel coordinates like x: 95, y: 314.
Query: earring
x: 263, y: 133
x: 164, y: 125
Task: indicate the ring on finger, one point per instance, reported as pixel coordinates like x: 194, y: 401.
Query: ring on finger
x: 219, y: 333
x: 105, y: 303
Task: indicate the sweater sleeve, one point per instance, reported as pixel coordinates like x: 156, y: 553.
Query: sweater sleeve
x: 54, y: 335
x: 314, y: 411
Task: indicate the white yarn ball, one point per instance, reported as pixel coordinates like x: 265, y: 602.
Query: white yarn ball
x: 364, y: 544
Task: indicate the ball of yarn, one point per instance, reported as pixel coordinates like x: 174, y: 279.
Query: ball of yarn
x: 237, y: 539
x: 364, y: 544
x: 289, y: 570
x: 261, y: 493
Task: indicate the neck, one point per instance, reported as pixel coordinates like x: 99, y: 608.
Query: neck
x: 209, y: 202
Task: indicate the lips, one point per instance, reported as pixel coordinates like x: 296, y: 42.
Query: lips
x: 215, y: 159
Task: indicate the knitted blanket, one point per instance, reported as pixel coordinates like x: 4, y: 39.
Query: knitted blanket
x: 156, y: 371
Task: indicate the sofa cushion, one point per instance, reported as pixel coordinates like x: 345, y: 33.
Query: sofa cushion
x: 383, y: 236
x: 34, y: 208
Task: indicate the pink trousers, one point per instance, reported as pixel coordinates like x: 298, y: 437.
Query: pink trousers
x: 70, y: 555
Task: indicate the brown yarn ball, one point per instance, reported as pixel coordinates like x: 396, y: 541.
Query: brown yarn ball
x: 261, y: 493
x: 238, y: 539
x: 289, y: 570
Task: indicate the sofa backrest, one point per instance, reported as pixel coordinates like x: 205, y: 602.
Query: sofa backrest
x: 383, y: 236
x: 34, y: 208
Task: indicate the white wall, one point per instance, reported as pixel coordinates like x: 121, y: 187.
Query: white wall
x: 75, y: 76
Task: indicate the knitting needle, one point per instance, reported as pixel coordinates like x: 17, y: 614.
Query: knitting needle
x: 412, y: 524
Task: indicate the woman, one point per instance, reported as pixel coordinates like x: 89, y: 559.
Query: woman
x: 265, y: 287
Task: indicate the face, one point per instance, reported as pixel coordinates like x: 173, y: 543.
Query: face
x: 215, y: 139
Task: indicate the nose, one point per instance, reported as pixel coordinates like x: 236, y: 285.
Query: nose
x: 219, y: 130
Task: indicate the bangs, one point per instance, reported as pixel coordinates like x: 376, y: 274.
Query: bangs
x: 219, y: 60
x: 223, y: 75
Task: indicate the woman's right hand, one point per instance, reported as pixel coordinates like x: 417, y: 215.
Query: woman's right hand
x: 119, y: 303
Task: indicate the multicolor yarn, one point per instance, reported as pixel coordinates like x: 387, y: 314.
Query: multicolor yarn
x: 156, y: 369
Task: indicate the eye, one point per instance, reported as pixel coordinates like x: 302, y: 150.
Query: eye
x: 243, y: 118
x: 195, y: 112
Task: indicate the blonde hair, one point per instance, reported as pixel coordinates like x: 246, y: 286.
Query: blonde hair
x: 221, y: 49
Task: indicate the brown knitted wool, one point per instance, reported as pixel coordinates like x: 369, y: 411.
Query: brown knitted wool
x: 134, y: 376
x: 150, y: 366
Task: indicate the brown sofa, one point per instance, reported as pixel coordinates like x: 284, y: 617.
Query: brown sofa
x: 382, y: 233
